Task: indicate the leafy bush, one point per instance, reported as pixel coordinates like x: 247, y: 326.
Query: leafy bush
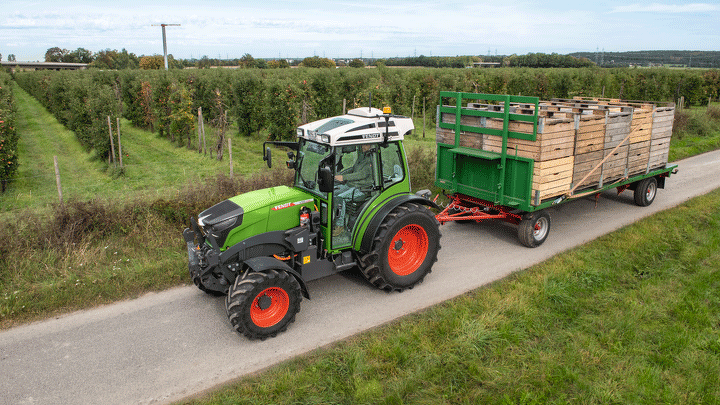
x: 8, y: 134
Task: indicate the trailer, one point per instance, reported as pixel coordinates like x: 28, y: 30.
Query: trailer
x: 512, y: 157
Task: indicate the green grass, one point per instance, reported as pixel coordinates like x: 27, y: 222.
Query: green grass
x: 697, y: 131
x: 633, y: 317
x: 153, y: 167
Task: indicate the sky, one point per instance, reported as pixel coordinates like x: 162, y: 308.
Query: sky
x: 350, y: 29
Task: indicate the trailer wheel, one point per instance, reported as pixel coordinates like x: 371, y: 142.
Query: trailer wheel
x: 263, y: 304
x: 645, y: 191
x: 534, y: 228
x: 404, y: 249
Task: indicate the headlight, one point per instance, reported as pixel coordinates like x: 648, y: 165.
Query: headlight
x: 326, y: 138
x: 221, y: 226
x: 299, y: 132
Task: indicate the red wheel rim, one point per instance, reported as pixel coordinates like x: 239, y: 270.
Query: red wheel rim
x: 408, y: 249
x: 269, y: 307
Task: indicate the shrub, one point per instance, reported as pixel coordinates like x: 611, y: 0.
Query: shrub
x: 8, y: 133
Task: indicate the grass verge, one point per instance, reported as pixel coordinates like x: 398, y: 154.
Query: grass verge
x: 632, y: 317
x: 695, y: 131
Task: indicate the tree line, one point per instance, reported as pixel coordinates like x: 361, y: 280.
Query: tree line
x: 697, y: 59
x: 271, y: 103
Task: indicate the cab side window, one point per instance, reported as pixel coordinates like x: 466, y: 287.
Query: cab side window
x: 393, y: 169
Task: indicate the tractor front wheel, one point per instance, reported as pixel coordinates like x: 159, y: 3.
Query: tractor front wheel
x: 263, y: 304
x: 404, y: 249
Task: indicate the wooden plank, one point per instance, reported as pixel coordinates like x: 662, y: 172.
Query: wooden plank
x: 549, y: 164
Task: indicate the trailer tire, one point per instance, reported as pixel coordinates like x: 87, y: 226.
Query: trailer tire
x: 645, y: 191
x: 404, y: 249
x: 263, y: 304
x: 534, y: 228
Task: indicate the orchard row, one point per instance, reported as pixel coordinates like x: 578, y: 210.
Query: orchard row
x: 273, y: 103
x: 8, y: 133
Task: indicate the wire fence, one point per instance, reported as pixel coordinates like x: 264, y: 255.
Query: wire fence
x: 44, y: 189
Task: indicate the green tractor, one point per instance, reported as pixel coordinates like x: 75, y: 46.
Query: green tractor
x: 350, y: 207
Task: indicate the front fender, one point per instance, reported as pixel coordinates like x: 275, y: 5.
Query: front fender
x: 263, y: 263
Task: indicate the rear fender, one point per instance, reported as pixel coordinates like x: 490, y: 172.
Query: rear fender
x: 377, y: 220
x: 263, y: 264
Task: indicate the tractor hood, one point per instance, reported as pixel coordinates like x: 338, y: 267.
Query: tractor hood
x: 253, y: 213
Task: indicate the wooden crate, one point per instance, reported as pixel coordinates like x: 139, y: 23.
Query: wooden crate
x: 638, y: 155
x: 555, y: 139
x: 467, y: 139
x: 584, y: 163
x: 552, y: 177
x: 589, y: 133
x: 641, y: 125
x: 617, y: 128
x: 659, y: 150
x: 662, y: 126
x: 615, y: 165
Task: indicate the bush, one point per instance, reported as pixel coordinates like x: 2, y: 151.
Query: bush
x: 8, y: 133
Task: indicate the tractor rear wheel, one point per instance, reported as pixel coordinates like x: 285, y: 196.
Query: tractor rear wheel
x: 263, y: 304
x: 404, y: 249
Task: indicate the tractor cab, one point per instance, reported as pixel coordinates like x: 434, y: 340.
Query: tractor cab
x: 346, y: 162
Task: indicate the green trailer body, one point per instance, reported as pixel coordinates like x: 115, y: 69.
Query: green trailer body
x: 512, y: 157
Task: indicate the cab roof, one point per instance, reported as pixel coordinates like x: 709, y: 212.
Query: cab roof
x: 359, y: 125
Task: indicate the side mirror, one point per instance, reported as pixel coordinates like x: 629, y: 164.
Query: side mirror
x: 325, y: 180
x: 268, y: 157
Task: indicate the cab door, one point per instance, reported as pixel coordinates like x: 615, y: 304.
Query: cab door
x: 357, y: 183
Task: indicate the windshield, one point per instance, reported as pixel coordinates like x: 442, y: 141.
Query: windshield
x: 309, y: 156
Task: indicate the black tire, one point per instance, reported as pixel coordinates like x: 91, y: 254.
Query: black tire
x: 534, y: 228
x: 645, y: 191
x: 263, y: 304
x: 404, y: 249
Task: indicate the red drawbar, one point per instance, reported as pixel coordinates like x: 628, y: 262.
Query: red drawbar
x: 466, y: 208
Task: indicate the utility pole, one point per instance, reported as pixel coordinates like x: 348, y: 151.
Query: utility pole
x: 164, y: 41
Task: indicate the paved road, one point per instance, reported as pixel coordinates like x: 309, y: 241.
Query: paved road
x: 166, y: 346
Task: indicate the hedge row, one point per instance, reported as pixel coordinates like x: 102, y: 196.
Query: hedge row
x: 274, y: 102
x: 8, y: 134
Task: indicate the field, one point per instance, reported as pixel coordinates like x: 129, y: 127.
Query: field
x: 118, y: 236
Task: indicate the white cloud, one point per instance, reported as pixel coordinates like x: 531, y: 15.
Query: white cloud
x: 667, y: 8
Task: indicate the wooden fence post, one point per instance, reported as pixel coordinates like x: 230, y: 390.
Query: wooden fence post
x: 412, y: 111
x: 119, y: 143
x: 111, y: 158
x: 57, y: 178
x: 344, y: 105
x: 200, y: 118
x: 424, y: 117
x: 230, y: 156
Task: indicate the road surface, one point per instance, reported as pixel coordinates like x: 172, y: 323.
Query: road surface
x: 166, y: 346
